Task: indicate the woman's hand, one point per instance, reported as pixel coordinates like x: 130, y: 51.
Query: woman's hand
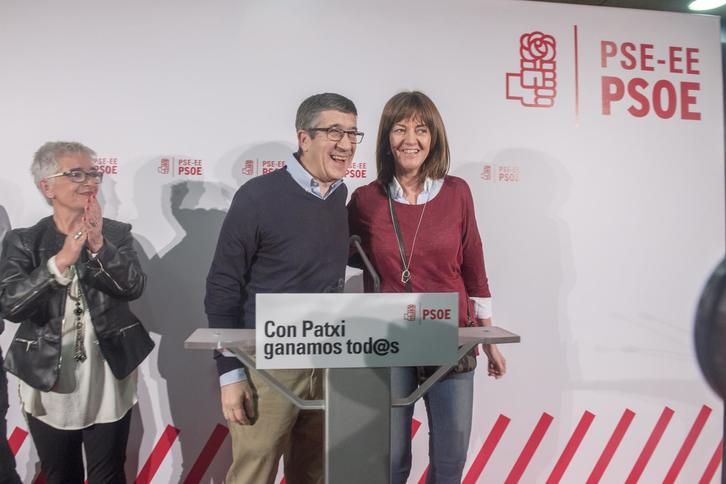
x: 93, y: 223
x: 72, y: 247
x: 497, y: 366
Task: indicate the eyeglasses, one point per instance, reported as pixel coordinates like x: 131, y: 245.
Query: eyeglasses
x: 336, y: 134
x: 79, y: 176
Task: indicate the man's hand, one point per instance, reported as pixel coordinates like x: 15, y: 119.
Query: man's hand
x: 497, y: 366
x: 238, y: 404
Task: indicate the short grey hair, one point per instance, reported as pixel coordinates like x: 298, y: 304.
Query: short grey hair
x: 45, y: 160
x: 310, y: 109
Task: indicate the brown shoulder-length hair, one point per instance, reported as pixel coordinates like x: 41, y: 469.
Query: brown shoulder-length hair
x: 417, y: 105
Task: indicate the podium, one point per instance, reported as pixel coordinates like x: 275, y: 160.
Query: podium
x: 357, y: 401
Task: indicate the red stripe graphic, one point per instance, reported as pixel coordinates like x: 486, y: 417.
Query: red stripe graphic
x: 650, y: 445
x: 571, y: 448
x: 205, y: 458
x: 16, y: 439
x: 529, y: 449
x: 487, y: 449
x: 157, y: 455
x: 713, y: 464
x: 611, y: 446
x: 687, y: 446
x: 415, y: 424
x: 423, y: 476
x: 40, y: 479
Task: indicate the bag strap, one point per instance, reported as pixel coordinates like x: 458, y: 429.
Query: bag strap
x: 399, y: 238
x: 397, y: 229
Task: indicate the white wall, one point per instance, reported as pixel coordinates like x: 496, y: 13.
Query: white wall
x: 597, y: 247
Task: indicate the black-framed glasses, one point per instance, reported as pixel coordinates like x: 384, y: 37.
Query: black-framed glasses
x: 336, y: 134
x: 79, y: 176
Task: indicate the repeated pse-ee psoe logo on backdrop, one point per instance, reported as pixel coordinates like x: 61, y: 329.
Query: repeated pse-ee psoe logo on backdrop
x: 257, y: 166
x: 196, y: 167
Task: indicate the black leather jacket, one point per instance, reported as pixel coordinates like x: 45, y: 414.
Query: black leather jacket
x: 30, y: 295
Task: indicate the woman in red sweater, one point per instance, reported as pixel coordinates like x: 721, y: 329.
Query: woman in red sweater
x: 436, y: 248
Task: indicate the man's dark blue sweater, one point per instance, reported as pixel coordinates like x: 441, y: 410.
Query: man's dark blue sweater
x: 276, y: 238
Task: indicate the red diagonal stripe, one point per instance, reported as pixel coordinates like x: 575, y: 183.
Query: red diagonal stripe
x: 423, y: 476
x: 157, y: 455
x: 16, y: 439
x: 713, y: 464
x: 205, y: 458
x: 40, y: 479
x: 486, y: 451
x: 572, y: 445
x: 650, y: 445
x: 611, y: 446
x: 687, y: 446
x: 415, y: 424
x: 529, y: 449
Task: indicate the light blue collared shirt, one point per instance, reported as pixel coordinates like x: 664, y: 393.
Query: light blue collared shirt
x: 298, y: 173
x: 431, y: 188
x: 310, y: 185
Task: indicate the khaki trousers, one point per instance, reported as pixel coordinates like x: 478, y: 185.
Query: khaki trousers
x: 281, y: 429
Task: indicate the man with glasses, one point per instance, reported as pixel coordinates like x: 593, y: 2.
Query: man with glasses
x: 285, y: 232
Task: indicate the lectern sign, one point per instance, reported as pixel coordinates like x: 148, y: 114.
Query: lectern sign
x: 356, y: 330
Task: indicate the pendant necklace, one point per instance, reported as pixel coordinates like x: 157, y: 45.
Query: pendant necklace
x: 406, y: 273
x: 79, y: 352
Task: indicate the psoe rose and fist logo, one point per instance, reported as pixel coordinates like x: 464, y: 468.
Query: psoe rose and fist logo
x: 535, y: 84
x: 410, y: 314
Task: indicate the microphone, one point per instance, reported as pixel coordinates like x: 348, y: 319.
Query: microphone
x: 355, y: 240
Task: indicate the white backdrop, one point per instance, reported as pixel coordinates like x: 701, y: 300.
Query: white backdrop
x: 599, y: 229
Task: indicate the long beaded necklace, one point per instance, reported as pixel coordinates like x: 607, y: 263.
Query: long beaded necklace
x: 79, y: 351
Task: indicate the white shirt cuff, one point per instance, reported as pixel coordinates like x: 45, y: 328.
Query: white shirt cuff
x: 62, y: 278
x: 232, y: 376
x: 482, y: 307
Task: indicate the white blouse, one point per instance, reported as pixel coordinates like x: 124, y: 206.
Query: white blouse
x: 87, y: 392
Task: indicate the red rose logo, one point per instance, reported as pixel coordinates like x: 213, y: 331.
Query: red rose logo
x: 537, y: 46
